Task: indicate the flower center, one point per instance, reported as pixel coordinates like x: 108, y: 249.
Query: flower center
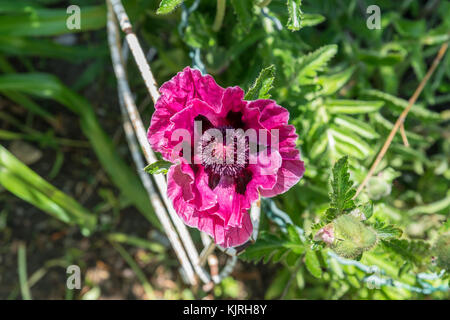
x: 225, y: 151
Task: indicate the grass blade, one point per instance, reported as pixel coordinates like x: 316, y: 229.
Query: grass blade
x: 22, y: 270
x: 29, y: 186
x: 48, y: 86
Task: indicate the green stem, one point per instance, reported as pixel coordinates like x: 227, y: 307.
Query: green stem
x: 22, y: 266
x: 220, y: 13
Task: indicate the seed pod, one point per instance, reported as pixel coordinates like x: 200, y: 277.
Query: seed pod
x: 378, y: 188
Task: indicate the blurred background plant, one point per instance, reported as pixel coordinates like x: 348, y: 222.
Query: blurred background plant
x: 63, y: 151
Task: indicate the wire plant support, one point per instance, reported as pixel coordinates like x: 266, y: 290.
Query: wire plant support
x: 192, y: 263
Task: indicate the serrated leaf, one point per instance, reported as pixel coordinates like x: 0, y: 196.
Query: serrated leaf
x: 167, y: 6
x: 269, y: 246
x: 295, y: 21
x: 386, y: 231
x: 342, y: 191
x: 160, y: 166
x: 415, y: 251
x: 314, y: 62
x: 260, y: 89
x: 366, y: 209
x: 341, y: 195
x: 332, y: 83
x: 313, y: 264
x: 293, y: 234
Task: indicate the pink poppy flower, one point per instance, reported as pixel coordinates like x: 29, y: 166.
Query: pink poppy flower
x: 207, y: 193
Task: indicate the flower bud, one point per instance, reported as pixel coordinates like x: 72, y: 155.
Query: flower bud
x: 352, y: 237
x: 326, y: 234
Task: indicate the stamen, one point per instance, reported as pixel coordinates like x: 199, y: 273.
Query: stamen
x: 222, y: 157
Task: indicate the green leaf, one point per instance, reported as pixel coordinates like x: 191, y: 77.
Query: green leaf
x: 346, y: 140
x: 138, y: 242
x: 342, y: 191
x: 381, y: 59
x: 240, y: 47
x: 198, y: 33
x: 341, y: 106
x: 260, y: 89
x: 243, y: 10
x: 341, y: 195
x: 386, y: 231
x: 160, y: 166
x: 366, y: 209
x: 398, y: 105
x: 278, y: 284
x: 408, y: 153
x: 23, y: 46
x: 295, y: 21
x: 309, y: 19
x: 49, y: 87
x: 410, y: 28
x: 357, y: 126
x: 50, y: 22
x: 23, y: 182
x: 7, y: 6
x: 332, y: 83
x: 269, y: 246
x: 314, y: 62
x: 167, y: 6
x: 435, y: 207
x: 415, y: 251
x: 22, y: 271
x: 313, y: 264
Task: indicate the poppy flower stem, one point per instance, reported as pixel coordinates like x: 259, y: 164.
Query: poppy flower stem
x: 179, y: 236
x: 133, y: 125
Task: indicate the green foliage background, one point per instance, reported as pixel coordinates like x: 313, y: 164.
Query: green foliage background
x: 344, y: 85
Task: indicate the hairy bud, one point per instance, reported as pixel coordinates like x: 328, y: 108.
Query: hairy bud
x: 352, y: 237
